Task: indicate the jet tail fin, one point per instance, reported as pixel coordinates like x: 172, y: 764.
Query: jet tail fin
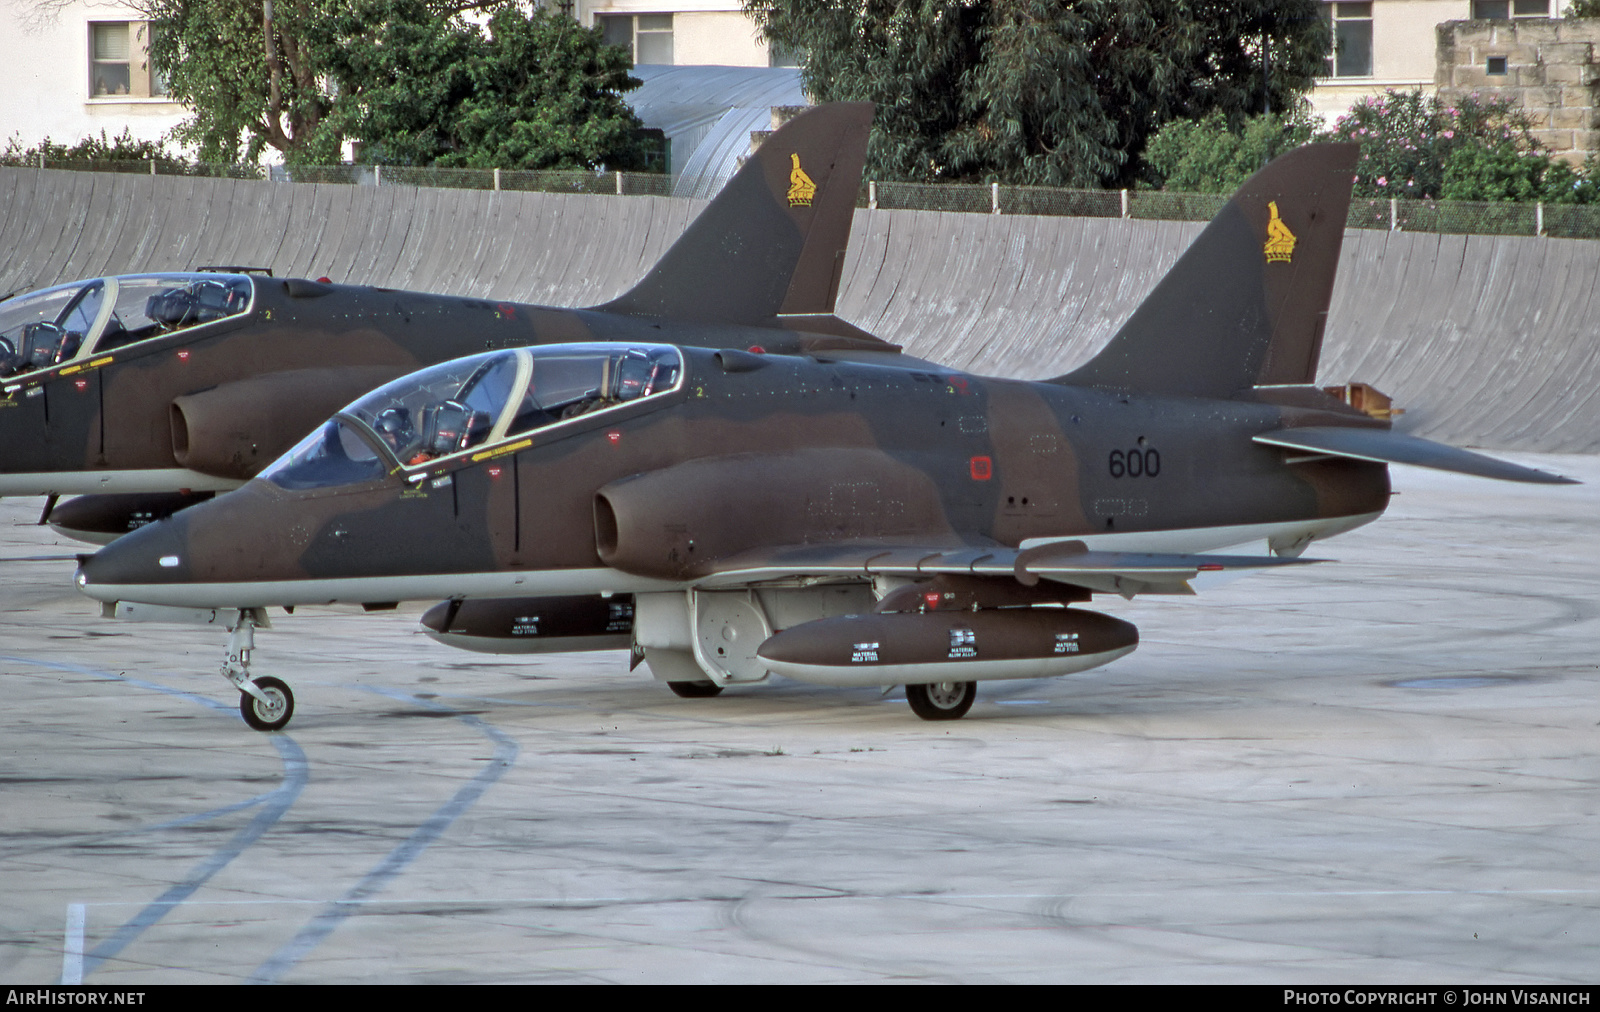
x: 772, y: 242
x: 1247, y: 302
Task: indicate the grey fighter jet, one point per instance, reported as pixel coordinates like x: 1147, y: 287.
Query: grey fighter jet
x: 741, y: 513
x: 152, y: 391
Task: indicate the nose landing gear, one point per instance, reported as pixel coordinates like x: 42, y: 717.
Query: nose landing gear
x: 265, y: 703
x: 270, y: 710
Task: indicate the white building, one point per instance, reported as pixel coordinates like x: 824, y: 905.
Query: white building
x: 682, y: 32
x: 1382, y: 45
x: 71, y: 72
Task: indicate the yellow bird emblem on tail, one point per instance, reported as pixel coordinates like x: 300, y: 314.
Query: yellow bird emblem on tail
x: 801, y: 188
x: 1280, y: 241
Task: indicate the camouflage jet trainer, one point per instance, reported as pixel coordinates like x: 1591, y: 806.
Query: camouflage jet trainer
x: 156, y: 383
x: 735, y: 514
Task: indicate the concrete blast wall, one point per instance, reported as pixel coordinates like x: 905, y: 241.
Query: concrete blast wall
x: 1486, y: 341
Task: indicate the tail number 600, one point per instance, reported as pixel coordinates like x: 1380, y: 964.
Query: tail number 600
x: 1134, y: 463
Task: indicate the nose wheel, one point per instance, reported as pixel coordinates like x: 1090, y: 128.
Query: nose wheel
x: 265, y: 703
x: 271, y: 713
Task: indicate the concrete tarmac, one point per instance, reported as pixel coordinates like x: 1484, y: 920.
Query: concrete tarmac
x: 1381, y: 769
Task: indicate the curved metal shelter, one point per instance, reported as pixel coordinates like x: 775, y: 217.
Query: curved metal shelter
x: 1485, y: 341
x: 708, y: 114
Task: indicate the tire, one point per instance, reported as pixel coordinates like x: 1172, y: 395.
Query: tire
x: 264, y: 717
x: 942, y: 700
x: 695, y: 690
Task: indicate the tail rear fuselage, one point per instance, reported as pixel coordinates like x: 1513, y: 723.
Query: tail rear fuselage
x: 1247, y: 303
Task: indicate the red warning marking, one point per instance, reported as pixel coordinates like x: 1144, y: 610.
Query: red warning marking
x: 183, y: 355
x: 614, y: 436
x: 982, y: 469
x: 494, y: 471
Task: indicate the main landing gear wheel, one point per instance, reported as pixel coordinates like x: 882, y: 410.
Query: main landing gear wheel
x: 942, y: 700
x: 695, y: 690
x: 272, y: 714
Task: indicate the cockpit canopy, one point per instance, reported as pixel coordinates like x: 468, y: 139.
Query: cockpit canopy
x: 472, y: 402
x: 56, y: 325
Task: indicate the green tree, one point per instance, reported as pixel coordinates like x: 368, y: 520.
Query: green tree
x: 1044, y: 91
x: 1209, y: 156
x: 252, y: 74
x: 403, y: 68
x: 537, y: 90
x: 547, y: 93
x: 412, y: 79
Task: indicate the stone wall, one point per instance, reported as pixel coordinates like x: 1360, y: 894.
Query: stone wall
x: 1550, y: 70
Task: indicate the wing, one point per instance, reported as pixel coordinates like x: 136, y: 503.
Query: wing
x: 1068, y: 562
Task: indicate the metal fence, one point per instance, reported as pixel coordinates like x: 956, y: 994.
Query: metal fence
x: 621, y: 183
x: 159, y: 167
x: 630, y: 184
x: 1570, y: 221
x: 1567, y: 221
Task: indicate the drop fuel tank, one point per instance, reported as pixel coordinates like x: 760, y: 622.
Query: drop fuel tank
x: 898, y: 648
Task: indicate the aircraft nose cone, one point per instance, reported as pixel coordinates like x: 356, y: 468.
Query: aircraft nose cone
x: 438, y: 617
x: 153, y: 554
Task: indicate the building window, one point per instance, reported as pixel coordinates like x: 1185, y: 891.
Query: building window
x: 109, y: 64
x: 1496, y: 66
x: 647, y: 36
x: 158, y: 80
x: 1352, y: 41
x: 119, y: 61
x: 1502, y: 10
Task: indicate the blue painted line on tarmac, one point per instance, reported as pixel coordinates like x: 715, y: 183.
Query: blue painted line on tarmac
x: 277, y: 802
x: 295, y: 775
x: 335, y: 913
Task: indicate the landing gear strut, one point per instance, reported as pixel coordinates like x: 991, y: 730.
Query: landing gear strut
x: 265, y: 703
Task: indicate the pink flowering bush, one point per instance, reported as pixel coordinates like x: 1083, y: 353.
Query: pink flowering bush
x: 1412, y: 146
x: 1408, y: 141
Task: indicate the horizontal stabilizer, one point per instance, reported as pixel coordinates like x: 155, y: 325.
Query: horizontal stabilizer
x: 1385, y: 446
x: 1070, y: 562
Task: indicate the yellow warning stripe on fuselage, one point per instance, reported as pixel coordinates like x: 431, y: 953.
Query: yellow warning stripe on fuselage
x: 501, y: 451
x: 95, y: 364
